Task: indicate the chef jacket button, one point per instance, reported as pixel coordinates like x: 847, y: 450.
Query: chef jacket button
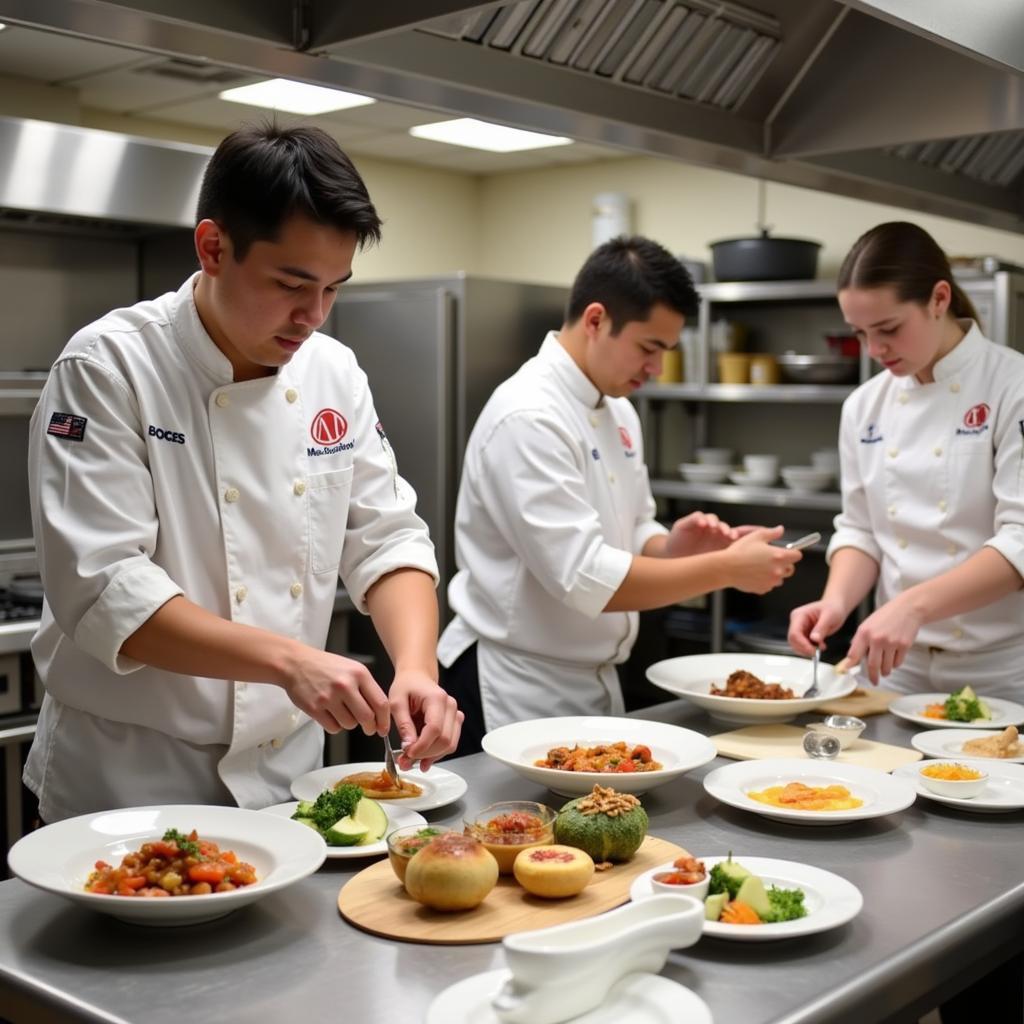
x: 950, y: 549
x: 903, y: 398
x: 295, y: 718
x: 241, y: 594
x: 291, y: 394
x: 593, y: 419
x: 295, y: 590
x: 222, y: 400
x: 276, y: 744
x: 958, y: 633
x: 942, y: 504
x: 299, y: 488
x: 954, y: 387
x: 241, y: 687
x: 231, y: 495
x: 938, y: 451
x: 902, y: 542
x: 611, y: 478
x: 893, y: 452
x: 892, y: 511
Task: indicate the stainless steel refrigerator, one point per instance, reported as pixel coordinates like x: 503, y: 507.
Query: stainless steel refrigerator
x: 434, y: 350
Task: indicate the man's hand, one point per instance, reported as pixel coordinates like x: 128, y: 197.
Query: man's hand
x: 756, y: 566
x: 428, y: 720
x: 810, y: 624
x: 701, y: 532
x: 884, y: 637
x: 336, y: 692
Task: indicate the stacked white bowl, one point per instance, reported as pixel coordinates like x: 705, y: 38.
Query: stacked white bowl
x: 826, y: 459
x: 806, y: 479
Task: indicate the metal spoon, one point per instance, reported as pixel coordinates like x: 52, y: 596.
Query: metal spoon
x: 813, y: 691
x: 389, y: 763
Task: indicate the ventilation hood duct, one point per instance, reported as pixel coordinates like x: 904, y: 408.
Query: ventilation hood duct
x: 917, y: 103
x: 80, y: 177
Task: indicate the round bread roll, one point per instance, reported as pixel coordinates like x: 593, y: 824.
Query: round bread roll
x: 553, y: 871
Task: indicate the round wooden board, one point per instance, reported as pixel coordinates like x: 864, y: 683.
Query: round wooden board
x: 375, y: 901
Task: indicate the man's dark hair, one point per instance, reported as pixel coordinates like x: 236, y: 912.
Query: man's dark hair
x: 629, y: 276
x: 261, y: 175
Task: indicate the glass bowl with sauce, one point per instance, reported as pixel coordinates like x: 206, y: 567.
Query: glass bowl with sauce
x: 510, y: 826
x: 404, y: 843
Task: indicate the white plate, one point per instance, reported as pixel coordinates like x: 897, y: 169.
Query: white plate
x: 691, y: 677
x: 910, y: 707
x: 949, y: 743
x: 439, y: 786
x: 1003, y: 793
x: 882, y: 794
x: 638, y: 998
x: 397, y: 817
x: 830, y: 900
x: 59, y: 858
x: 520, y: 744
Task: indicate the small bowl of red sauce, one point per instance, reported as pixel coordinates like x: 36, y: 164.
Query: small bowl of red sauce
x: 510, y: 826
x: 685, y: 875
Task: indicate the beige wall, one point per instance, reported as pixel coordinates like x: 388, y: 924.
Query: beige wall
x: 536, y: 225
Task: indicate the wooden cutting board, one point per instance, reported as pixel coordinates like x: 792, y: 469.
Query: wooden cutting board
x: 756, y: 742
x: 375, y: 901
x: 864, y: 701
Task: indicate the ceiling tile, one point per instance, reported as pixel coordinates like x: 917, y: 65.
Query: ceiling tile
x: 46, y: 57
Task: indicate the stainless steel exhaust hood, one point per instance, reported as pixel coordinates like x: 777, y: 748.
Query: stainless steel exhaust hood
x: 918, y: 103
x: 53, y: 171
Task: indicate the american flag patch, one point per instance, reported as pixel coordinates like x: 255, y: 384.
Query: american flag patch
x: 71, y: 428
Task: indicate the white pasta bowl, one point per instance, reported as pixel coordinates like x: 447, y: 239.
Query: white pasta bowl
x: 60, y: 857
x: 700, y: 473
x: 521, y: 744
x: 692, y: 677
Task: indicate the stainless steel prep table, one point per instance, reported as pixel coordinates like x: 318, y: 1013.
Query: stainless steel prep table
x: 943, y: 892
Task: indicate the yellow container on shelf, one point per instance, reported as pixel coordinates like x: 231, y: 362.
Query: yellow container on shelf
x: 733, y: 368
x: 671, y: 367
x: 764, y: 369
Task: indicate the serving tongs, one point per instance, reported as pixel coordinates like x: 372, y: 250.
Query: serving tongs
x: 389, y: 764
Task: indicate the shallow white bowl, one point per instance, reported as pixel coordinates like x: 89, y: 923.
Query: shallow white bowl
x: 60, y: 857
x: 698, y: 890
x: 805, y: 478
x: 761, y: 465
x: 699, y: 473
x: 715, y: 456
x: 962, y: 789
x: 520, y: 744
x: 691, y: 677
x: 827, y: 460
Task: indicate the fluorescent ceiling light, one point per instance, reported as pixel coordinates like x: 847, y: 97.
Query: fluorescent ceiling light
x: 2, y: 26
x: 295, y: 97
x: 495, y: 138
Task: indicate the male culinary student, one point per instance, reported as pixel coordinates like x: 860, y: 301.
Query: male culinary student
x: 202, y: 466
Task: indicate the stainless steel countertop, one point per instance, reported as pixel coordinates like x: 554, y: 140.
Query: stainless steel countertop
x: 943, y: 892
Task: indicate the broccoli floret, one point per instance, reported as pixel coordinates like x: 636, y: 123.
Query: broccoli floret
x: 787, y: 905
x: 334, y: 804
x: 963, y: 705
x: 304, y: 810
x: 726, y: 876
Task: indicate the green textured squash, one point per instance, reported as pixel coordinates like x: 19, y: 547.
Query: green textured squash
x: 604, y: 837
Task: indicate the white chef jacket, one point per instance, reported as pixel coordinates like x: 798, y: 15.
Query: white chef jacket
x: 553, y: 504
x: 153, y: 473
x: 933, y: 472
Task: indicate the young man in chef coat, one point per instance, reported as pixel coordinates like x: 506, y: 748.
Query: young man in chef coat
x: 556, y: 542
x: 202, y: 467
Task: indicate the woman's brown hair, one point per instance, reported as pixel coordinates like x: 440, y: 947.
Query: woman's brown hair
x: 903, y: 256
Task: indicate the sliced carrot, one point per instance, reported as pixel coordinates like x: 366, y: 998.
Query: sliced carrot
x: 211, y: 873
x: 738, y: 912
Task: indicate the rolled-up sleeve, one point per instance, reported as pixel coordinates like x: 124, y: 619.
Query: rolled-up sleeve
x: 93, y: 512
x: 383, y: 532
x: 1008, y: 480
x: 852, y: 526
x: 531, y: 480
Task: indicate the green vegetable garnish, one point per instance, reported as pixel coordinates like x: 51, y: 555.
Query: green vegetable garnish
x: 963, y: 705
x: 331, y: 806
x: 187, y: 846
x: 787, y: 905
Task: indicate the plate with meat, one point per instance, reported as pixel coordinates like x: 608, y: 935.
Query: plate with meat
x: 1006, y: 745
x: 749, y: 689
x: 419, y: 790
x: 571, y: 755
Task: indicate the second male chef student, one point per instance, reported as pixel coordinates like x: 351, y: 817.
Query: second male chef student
x: 556, y: 543
x: 202, y: 466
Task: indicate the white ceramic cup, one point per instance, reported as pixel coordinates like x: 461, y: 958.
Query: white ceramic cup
x: 715, y: 456
x: 826, y: 459
x: 761, y: 467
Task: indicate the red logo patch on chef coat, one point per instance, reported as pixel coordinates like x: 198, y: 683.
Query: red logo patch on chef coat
x: 329, y: 427
x: 976, y: 416
x: 627, y: 441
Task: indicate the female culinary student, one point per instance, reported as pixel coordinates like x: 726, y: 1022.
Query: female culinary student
x: 202, y: 466
x: 932, y: 457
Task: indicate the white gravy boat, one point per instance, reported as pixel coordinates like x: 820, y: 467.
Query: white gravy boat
x: 566, y: 970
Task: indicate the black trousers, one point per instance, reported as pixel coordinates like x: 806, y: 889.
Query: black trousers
x: 462, y: 681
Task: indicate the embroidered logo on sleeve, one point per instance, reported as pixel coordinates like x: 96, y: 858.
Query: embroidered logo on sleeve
x: 627, y: 443
x: 66, y: 426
